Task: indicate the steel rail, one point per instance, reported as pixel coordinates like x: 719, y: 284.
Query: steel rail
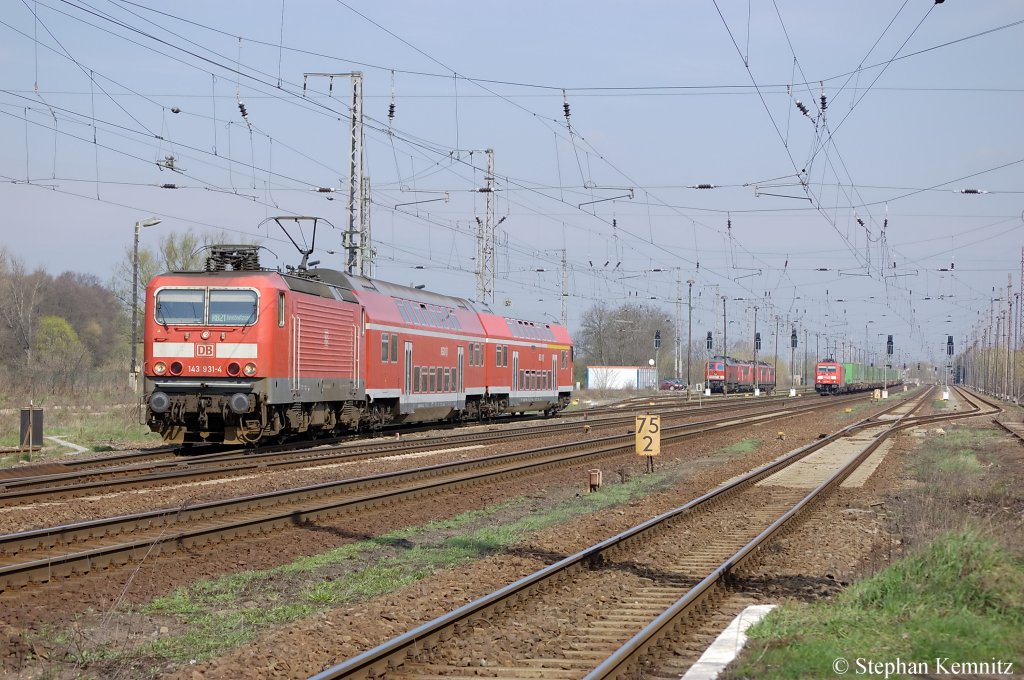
x: 623, y: 662
x: 212, y: 466
x: 374, y: 662
x: 296, y: 506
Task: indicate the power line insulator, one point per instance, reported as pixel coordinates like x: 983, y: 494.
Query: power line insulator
x: 824, y: 103
x: 391, y: 111
x: 703, y: 185
x: 241, y: 108
x: 803, y: 109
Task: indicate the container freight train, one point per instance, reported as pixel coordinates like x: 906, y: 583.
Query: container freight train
x: 241, y: 354
x: 723, y: 374
x: 833, y: 377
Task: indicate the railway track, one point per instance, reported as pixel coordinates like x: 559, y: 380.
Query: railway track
x: 169, y: 455
x: 621, y: 608
x: 54, y: 552
x: 110, y: 478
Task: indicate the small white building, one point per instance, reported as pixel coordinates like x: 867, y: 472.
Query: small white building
x: 621, y: 378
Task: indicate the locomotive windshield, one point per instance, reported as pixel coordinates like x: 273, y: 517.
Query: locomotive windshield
x: 180, y: 306
x: 201, y: 306
x: 232, y: 307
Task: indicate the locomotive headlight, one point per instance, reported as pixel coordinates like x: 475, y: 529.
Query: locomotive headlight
x: 205, y: 335
x: 250, y: 369
x: 159, y: 368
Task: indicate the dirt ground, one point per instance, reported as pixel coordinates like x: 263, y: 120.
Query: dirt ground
x: 851, y: 535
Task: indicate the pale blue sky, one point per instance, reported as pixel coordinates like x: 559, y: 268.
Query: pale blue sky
x: 660, y: 100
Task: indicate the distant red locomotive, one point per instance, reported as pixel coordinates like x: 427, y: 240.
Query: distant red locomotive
x: 242, y: 354
x: 737, y: 375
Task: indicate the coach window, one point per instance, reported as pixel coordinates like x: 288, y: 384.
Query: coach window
x: 383, y: 348
x: 416, y: 379
x: 394, y: 348
x: 280, y: 309
x: 432, y: 384
x: 447, y: 380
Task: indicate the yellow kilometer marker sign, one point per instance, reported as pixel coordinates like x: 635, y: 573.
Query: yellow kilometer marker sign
x: 648, y: 435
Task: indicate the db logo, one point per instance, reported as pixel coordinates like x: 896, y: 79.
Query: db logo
x: 204, y: 350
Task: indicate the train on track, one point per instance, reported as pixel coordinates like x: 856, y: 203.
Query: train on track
x: 834, y: 377
x: 240, y: 354
x: 726, y: 374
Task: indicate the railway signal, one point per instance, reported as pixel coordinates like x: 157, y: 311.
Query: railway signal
x: 710, y: 341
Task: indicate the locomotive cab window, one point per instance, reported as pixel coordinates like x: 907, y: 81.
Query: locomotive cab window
x: 233, y: 307
x: 180, y: 306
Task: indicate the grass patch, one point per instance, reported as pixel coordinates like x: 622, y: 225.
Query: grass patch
x: 944, y: 458
x: 940, y: 404
x: 92, y: 428
x: 961, y: 598
x: 743, y: 446
x: 216, y: 615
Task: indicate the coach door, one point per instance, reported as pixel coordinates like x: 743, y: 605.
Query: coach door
x: 460, y: 384
x: 407, y: 384
x: 554, y: 373
x: 515, y: 372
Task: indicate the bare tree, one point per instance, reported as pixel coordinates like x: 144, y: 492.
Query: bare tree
x: 625, y: 336
x: 21, y: 292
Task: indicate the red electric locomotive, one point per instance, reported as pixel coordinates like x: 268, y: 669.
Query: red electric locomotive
x: 242, y: 354
x: 737, y: 375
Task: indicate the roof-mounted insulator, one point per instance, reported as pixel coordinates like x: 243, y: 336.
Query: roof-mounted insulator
x: 391, y: 107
